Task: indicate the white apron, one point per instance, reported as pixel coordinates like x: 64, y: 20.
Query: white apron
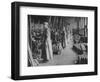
x: 49, y: 46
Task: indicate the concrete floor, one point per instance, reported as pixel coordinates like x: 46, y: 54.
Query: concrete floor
x: 67, y: 57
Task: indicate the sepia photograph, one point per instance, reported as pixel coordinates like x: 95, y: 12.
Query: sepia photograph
x: 57, y: 40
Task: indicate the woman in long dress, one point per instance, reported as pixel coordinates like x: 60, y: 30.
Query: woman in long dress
x: 66, y: 42
x: 49, y: 51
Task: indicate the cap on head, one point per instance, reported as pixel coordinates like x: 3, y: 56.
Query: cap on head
x: 46, y: 23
